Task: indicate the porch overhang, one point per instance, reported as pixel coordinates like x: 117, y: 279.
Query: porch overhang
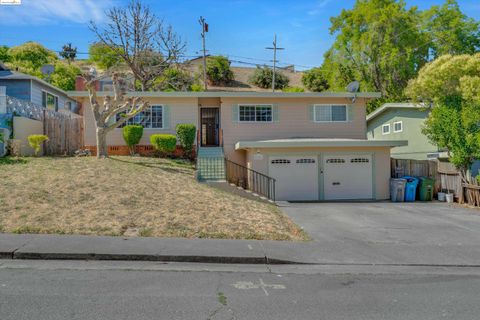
x: 318, y: 143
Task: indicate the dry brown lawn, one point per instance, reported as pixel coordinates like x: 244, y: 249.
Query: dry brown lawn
x: 129, y: 196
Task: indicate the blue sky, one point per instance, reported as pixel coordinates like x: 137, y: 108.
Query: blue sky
x: 238, y: 28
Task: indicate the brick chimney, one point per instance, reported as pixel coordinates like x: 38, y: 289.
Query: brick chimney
x: 80, y: 84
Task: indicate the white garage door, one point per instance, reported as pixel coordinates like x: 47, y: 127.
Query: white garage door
x: 347, y: 177
x: 296, y: 177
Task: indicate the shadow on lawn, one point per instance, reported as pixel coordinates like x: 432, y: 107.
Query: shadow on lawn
x: 172, y: 166
x: 12, y: 160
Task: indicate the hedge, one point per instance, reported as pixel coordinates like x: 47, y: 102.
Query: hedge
x: 165, y: 143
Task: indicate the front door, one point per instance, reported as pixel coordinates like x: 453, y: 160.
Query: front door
x: 209, y: 120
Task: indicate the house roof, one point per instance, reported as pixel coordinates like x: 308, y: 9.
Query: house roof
x: 15, y: 75
x: 234, y: 94
x: 387, y: 106
x: 318, y: 142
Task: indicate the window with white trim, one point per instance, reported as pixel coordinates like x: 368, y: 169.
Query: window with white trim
x: 330, y: 113
x: 386, y: 128
x: 149, y: 118
x: 255, y: 113
x: 398, y: 126
x: 49, y: 101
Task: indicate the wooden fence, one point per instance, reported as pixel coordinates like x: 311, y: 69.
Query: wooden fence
x: 65, y: 135
x: 447, y: 178
x: 416, y: 168
x: 64, y: 129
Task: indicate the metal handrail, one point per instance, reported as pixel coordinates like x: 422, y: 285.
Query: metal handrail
x: 249, y: 179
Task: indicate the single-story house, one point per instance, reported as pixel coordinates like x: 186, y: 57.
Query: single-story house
x: 30, y: 88
x: 403, y: 121
x: 313, y: 144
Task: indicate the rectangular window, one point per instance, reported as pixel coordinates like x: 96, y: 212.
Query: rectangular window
x: 398, y: 126
x: 49, y: 101
x: 149, y: 118
x: 255, y: 113
x: 330, y: 113
x: 386, y: 129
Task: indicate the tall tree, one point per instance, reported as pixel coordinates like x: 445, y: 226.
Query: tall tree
x: 4, y: 56
x: 452, y: 85
x: 378, y: 42
x: 450, y: 30
x: 30, y: 56
x: 142, y: 40
x: 103, y: 56
x: 105, y: 112
x: 68, y: 52
x: 383, y: 44
x: 64, y: 76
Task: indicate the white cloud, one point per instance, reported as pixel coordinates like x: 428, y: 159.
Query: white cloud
x: 318, y: 7
x: 50, y: 11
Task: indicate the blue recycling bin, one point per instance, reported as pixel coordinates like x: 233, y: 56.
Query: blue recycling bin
x: 410, y: 188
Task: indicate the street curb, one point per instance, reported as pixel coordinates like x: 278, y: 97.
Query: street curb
x: 140, y: 257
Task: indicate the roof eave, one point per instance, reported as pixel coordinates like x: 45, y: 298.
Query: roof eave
x: 243, y: 145
x: 239, y: 94
x: 387, y: 106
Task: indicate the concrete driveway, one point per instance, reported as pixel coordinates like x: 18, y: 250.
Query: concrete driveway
x: 389, y: 233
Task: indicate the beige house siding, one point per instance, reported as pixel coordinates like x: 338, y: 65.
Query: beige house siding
x: 293, y: 122
x: 381, y: 165
x: 181, y: 110
x: 22, y: 128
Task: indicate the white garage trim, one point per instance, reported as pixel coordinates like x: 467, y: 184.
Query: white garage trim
x: 345, y: 161
x: 295, y: 176
x: 320, y: 157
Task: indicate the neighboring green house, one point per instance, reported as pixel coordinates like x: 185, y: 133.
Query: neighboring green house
x: 402, y: 121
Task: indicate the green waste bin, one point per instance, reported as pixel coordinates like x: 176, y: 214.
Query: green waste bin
x: 425, y: 189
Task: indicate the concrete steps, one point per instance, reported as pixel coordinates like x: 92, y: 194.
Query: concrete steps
x: 211, y: 164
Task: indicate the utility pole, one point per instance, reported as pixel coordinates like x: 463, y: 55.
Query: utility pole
x: 274, y: 48
x: 204, y: 30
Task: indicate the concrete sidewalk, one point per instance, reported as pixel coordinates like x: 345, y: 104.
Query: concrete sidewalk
x: 74, y: 247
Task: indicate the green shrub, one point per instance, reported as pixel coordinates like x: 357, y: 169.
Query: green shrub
x: 132, y: 135
x: 196, y: 87
x: 314, y: 79
x: 164, y: 143
x: 293, y: 89
x: 35, y: 141
x: 174, y: 79
x: 218, y: 70
x: 186, y: 134
x: 262, y: 77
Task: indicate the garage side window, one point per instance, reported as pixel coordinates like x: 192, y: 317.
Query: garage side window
x: 255, y: 113
x: 330, y: 113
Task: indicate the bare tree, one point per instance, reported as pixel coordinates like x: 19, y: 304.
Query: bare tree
x: 142, y: 40
x: 105, y: 112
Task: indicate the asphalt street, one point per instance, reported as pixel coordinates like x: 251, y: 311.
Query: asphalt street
x: 147, y: 290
